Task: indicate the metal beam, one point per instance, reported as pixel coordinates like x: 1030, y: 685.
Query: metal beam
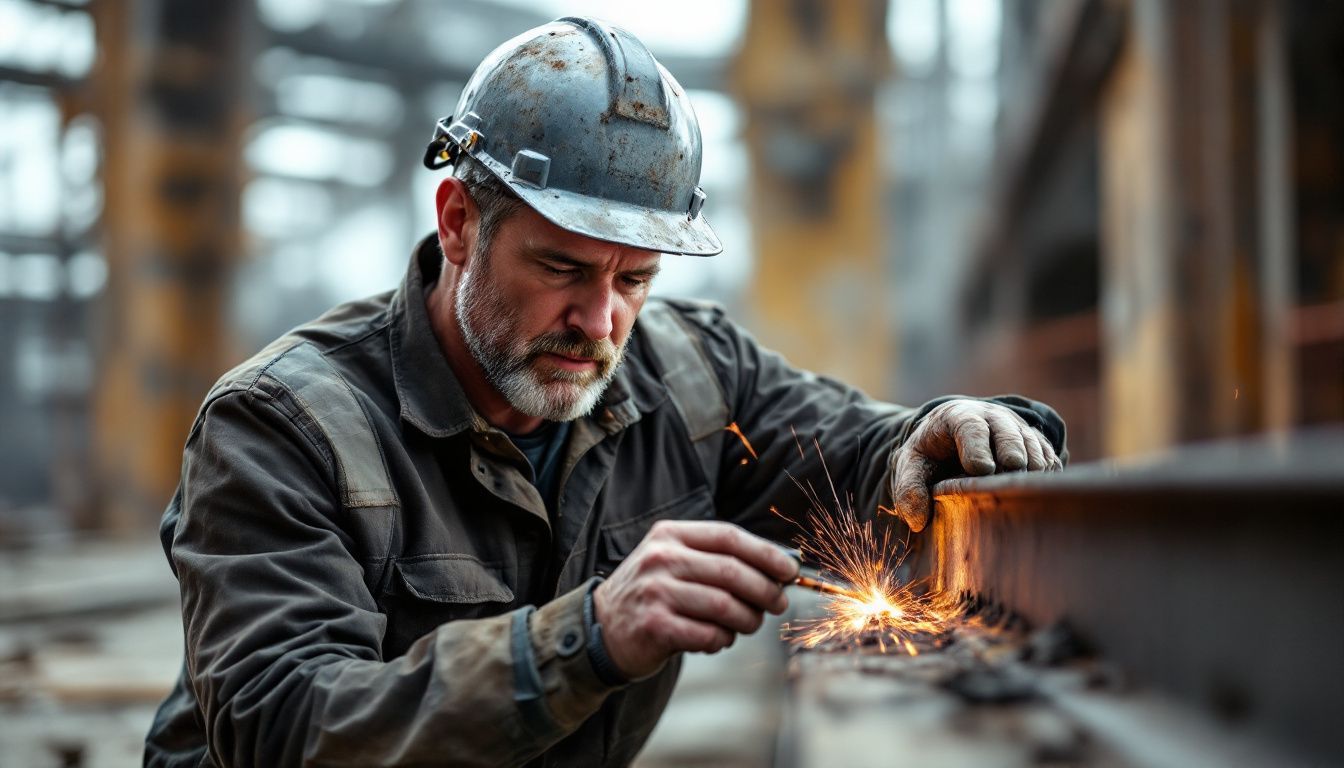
x: 36, y: 79
x: 1212, y: 574
x: 409, y: 67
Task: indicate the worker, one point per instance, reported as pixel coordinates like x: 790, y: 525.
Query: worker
x: 478, y: 519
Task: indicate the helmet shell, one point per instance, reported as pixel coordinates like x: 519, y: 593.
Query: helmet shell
x: 589, y: 130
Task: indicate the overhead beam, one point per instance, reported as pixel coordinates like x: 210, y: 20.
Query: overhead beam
x: 408, y: 66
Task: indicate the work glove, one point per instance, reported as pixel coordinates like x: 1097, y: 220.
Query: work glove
x: 974, y: 437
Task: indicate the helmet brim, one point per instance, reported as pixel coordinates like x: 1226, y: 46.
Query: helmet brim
x: 622, y: 223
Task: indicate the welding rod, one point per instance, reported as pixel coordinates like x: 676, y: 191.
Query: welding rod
x: 810, y: 578
x: 827, y: 588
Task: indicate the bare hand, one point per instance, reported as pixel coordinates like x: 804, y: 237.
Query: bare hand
x: 689, y: 586
x: 981, y: 437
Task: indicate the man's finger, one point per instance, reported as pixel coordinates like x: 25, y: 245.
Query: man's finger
x: 733, y: 576
x: 728, y: 539
x: 690, y: 635
x: 910, y: 488
x: 1052, y: 460
x: 716, y: 606
x: 972, y: 436
x: 1036, y: 458
x: 1010, y: 449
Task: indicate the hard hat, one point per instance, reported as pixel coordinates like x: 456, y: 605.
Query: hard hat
x: 581, y: 122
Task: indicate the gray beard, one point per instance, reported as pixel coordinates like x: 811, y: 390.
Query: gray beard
x: 488, y: 324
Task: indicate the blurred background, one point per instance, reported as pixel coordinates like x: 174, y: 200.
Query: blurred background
x: 1130, y: 209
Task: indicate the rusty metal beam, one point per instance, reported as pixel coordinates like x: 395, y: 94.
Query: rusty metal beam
x: 989, y: 699
x: 1212, y: 574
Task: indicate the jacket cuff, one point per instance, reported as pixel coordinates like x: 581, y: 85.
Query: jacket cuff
x: 570, y: 684
x: 606, y: 669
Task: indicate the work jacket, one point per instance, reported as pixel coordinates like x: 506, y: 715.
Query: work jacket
x: 369, y: 576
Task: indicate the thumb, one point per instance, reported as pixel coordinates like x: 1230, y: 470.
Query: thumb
x: 910, y: 487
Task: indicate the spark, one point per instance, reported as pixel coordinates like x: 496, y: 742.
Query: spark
x: 736, y: 430
x: 864, y: 599
x: 879, y: 608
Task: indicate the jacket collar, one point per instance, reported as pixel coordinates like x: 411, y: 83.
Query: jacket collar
x: 433, y: 401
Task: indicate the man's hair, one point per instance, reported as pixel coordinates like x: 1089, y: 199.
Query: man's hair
x: 495, y: 202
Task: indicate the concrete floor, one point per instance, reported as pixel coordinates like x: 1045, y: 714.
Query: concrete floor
x: 90, y: 638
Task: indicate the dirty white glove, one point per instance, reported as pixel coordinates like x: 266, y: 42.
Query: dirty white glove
x: 973, y: 437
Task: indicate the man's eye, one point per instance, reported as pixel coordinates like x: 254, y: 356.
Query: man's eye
x: 637, y: 282
x: 559, y: 271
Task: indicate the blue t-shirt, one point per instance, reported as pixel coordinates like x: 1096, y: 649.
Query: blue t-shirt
x: 543, y: 448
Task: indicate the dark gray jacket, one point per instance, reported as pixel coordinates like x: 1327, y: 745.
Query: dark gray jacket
x: 369, y: 577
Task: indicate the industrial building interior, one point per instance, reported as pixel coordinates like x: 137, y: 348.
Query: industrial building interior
x: 1130, y: 209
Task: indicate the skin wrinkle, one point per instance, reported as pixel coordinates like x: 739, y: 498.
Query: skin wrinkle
x: 1010, y: 447
x: 565, y: 294
x: 489, y: 324
x: 1035, y: 456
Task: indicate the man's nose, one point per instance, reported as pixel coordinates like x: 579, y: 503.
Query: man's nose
x: 591, y: 314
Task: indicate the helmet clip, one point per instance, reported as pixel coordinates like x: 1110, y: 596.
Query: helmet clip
x: 697, y: 202
x: 531, y: 167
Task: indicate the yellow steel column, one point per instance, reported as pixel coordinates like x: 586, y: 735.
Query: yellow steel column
x: 166, y: 85
x: 806, y: 76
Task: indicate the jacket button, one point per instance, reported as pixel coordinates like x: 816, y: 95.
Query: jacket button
x: 571, y: 640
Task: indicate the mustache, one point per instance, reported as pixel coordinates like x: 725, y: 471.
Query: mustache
x: 572, y: 343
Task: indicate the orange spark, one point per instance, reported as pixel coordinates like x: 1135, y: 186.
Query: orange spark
x: 884, y: 612
x: 736, y: 430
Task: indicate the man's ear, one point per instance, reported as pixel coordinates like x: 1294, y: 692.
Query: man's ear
x: 457, y: 220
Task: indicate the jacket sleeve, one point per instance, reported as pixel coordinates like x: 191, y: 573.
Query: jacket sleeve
x: 809, y: 432
x: 283, y: 636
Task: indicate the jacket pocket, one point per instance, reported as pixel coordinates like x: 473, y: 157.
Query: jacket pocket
x: 619, y: 538
x: 431, y: 590
x: 452, y: 580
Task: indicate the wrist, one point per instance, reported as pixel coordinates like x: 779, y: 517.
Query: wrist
x: 603, y: 666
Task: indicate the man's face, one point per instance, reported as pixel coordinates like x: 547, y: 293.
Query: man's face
x: 547, y: 313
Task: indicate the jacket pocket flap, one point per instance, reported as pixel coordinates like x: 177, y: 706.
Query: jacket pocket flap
x: 619, y: 538
x: 453, y: 580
